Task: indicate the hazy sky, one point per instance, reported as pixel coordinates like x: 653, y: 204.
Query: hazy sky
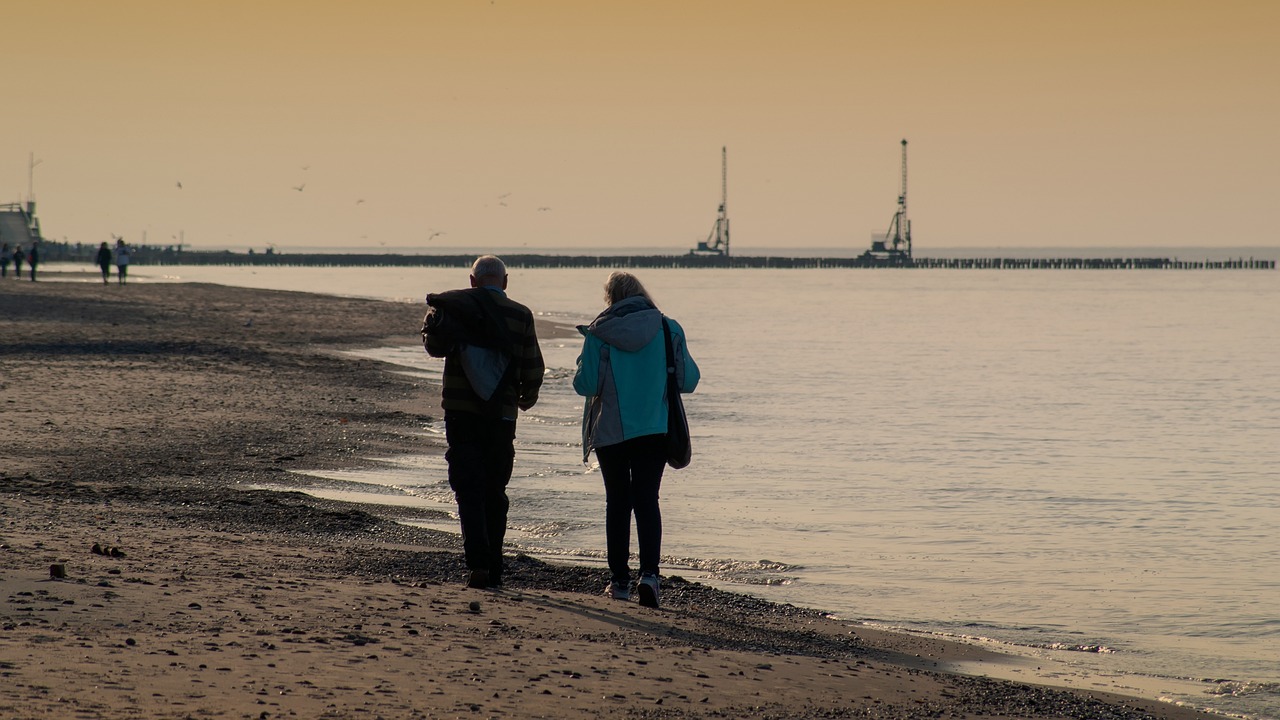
x: 599, y: 123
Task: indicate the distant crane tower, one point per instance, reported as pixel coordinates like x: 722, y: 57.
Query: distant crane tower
x: 717, y: 243
x: 898, y: 238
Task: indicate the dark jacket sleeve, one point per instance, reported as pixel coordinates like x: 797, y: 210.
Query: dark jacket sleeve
x: 532, y: 367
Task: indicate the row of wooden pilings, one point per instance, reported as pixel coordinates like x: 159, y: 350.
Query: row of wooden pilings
x: 713, y: 261
x: 1093, y: 264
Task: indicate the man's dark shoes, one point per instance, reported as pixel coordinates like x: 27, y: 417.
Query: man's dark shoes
x: 478, y: 579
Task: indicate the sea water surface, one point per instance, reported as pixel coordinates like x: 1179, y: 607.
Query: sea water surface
x: 1080, y: 467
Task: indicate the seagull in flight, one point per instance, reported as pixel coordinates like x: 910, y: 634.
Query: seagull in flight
x: 299, y: 187
x: 179, y: 184
x: 360, y: 201
x: 544, y: 208
x: 435, y: 233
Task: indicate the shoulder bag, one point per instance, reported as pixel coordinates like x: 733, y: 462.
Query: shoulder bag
x: 679, y: 451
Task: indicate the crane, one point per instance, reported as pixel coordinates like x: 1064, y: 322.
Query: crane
x: 717, y: 243
x: 896, y: 245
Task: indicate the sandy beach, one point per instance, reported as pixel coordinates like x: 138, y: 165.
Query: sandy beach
x: 142, y: 576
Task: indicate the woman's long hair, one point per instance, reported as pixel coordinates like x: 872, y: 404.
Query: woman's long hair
x: 622, y: 285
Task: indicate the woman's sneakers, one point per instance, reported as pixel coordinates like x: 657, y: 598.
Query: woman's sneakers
x: 618, y: 591
x: 648, y: 590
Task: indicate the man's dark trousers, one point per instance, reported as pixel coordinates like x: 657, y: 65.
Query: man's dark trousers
x: 481, y: 455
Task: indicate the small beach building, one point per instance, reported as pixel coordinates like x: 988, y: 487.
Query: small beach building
x: 18, y: 224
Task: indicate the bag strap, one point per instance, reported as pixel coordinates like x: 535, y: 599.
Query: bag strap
x: 671, y: 356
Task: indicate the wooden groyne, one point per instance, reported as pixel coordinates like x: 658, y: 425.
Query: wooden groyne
x: 1093, y: 264
x: 695, y: 261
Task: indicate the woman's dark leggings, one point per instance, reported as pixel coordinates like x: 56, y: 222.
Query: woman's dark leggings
x: 632, y: 472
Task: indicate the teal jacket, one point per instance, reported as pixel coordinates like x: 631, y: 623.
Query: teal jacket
x: 622, y: 372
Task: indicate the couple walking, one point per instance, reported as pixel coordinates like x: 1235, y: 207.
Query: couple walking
x: 103, y: 261
x: 493, y: 368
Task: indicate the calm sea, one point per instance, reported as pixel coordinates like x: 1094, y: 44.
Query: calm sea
x: 1078, y: 467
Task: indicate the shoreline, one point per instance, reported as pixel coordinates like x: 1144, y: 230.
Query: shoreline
x: 136, y: 415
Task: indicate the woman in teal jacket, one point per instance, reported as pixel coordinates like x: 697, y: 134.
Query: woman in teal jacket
x: 622, y: 373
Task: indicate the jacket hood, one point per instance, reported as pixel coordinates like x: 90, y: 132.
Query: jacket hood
x: 627, y: 324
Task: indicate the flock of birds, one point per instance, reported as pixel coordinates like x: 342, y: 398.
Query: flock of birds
x: 432, y: 233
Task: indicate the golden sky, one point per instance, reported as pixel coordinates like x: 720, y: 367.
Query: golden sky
x: 576, y: 123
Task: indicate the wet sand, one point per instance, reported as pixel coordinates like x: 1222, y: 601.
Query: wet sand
x: 135, y: 422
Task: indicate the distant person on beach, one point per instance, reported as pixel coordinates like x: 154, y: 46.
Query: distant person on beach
x: 104, y: 261
x: 18, y: 257
x: 33, y: 259
x: 622, y: 372
x: 4, y: 260
x: 122, y: 261
x: 492, y: 369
